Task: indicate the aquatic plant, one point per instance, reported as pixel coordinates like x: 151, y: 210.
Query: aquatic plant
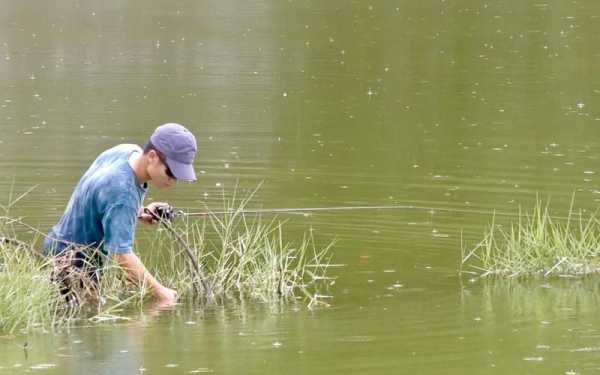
x: 538, y: 244
x: 242, y: 257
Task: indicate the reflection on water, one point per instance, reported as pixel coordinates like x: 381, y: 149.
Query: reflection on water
x: 539, y: 298
x: 541, y: 320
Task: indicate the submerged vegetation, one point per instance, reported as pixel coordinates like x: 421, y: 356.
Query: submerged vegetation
x: 538, y: 244
x: 241, y: 257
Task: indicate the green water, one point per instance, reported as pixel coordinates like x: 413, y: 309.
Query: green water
x: 464, y: 106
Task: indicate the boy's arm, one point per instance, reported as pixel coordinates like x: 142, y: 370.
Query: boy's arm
x: 137, y: 272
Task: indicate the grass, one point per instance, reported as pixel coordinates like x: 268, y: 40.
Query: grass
x: 242, y: 258
x: 27, y: 296
x: 538, y: 244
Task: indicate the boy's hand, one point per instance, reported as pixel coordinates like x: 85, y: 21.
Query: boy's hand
x: 165, y: 296
x: 145, y: 217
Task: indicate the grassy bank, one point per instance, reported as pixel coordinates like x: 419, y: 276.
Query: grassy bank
x: 241, y: 257
x: 537, y: 243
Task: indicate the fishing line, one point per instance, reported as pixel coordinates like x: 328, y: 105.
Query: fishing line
x: 431, y: 210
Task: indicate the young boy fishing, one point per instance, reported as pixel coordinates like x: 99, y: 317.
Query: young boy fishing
x: 101, y: 216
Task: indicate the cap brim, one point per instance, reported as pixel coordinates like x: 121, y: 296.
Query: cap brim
x: 181, y: 171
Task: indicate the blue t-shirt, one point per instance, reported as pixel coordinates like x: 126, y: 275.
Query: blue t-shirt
x: 103, y: 210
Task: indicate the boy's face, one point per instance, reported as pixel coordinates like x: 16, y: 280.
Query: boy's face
x: 159, y: 171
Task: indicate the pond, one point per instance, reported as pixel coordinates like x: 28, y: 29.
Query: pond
x: 457, y: 108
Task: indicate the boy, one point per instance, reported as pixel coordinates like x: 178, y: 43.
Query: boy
x: 101, y: 216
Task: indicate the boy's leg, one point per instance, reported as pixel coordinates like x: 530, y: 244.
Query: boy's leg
x: 78, y: 274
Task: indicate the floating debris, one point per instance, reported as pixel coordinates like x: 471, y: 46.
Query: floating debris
x: 43, y: 366
x: 586, y: 349
x: 200, y: 370
x: 533, y: 359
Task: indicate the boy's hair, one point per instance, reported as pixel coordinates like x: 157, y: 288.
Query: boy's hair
x: 149, y: 147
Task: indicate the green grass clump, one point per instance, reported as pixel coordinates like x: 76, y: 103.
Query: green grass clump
x: 538, y: 244
x: 27, y: 297
x: 241, y: 256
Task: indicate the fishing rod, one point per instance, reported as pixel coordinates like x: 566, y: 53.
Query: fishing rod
x: 170, y: 213
x: 292, y: 210
x: 432, y: 210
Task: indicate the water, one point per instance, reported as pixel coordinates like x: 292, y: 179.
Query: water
x: 470, y: 107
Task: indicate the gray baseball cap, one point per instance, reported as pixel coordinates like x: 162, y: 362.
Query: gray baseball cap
x: 178, y: 145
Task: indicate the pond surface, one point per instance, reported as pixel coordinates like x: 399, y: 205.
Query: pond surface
x: 457, y: 107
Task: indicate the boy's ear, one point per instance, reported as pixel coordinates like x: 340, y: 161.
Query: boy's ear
x: 151, y: 155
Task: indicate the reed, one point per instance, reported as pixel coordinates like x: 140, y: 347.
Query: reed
x: 242, y: 257
x: 538, y: 244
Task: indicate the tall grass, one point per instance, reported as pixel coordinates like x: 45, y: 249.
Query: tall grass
x: 241, y: 257
x: 538, y: 244
x: 27, y: 296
